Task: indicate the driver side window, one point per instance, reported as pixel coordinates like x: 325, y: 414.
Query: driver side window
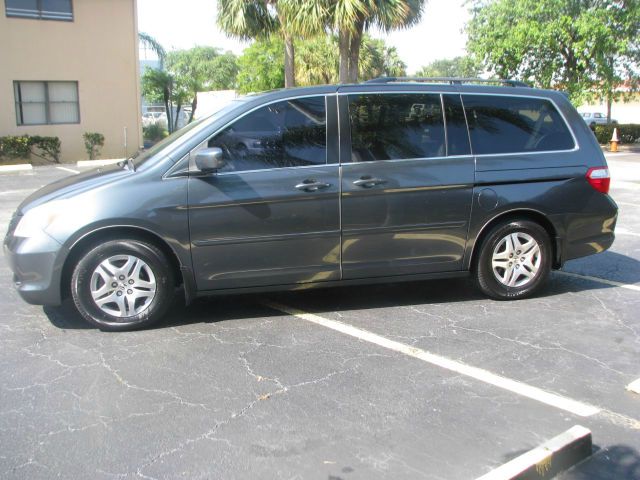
x: 291, y: 133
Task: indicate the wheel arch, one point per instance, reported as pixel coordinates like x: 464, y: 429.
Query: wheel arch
x: 519, y: 214
x: 99, y: 235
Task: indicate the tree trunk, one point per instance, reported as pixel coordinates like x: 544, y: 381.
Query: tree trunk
x: 609, y: 102
x: 175, y: 120
x: 167, y: 107
x: 343, y: 43
x: 194, y: 105
x: 354, y: 52
x: 289, y: 62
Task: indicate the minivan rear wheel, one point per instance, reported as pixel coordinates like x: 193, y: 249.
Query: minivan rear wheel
x: 514, y: 260
x: 122, y: 285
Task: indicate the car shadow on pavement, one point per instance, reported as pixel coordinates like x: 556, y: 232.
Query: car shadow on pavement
x: 430, y: 292
x: 615, y: 462
x: 607, y: 265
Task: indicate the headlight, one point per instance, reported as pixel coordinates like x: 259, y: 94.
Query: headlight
x: 37, y: 219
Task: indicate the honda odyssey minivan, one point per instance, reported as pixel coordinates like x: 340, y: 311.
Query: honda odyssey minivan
x: 391, y: 180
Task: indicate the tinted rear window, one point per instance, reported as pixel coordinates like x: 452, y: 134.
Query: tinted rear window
x: 396, y: 126
x: 502, y: 124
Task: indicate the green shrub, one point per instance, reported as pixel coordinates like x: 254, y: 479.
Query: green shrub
x: 24, y: 146
x: 154, y: 132
x: 15, y: 147
x: 92, y: 143
x: 49, y: 147
x: 627, y: 133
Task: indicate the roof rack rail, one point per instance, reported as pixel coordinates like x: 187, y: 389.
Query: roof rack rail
x: 449, y: 80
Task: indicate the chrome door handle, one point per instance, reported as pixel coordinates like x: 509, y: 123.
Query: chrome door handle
x: 368, y: 182
x: 312, y: 186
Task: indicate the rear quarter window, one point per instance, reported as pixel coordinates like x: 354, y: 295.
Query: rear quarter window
x: 503, y: 124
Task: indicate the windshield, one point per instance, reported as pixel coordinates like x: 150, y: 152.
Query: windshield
x: 144, y: 155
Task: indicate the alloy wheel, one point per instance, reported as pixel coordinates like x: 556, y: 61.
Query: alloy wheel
x: 516, y: 259
x: 123, y: 285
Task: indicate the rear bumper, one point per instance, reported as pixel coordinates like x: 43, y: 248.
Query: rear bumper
x: 35, y: 266
x: 591, y: 233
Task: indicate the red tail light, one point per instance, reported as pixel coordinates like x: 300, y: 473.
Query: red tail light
x: 598, y: 178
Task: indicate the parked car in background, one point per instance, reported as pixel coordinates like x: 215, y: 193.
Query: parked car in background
x: 596, y: 118
x: 389, y: 180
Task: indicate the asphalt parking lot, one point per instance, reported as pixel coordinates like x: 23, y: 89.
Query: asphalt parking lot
x: 272, y: 385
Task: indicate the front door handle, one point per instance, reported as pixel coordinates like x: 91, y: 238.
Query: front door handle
x: 368, y: 182
x: 312, y: 186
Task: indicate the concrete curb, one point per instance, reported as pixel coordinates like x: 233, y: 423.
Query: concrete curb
x: 547, y: 460
x: 98, y: 163
x: 16, y: 168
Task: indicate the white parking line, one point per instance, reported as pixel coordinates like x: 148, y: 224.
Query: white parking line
x: 534, y: 393
x: 634, y: 386
x: 624, y: 231
x: 613, y: 283
x: 68, y: 169
x: 628, y: 204
x: 16, y: 192
x: 624, y: 185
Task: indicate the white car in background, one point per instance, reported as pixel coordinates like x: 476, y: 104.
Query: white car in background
x: 596, y: 118
x: 151, y: 118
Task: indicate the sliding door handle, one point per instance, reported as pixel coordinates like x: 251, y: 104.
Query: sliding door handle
x: 312, y: 186
x: 368, y: 182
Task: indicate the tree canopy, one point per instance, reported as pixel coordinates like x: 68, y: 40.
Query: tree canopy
x: 261, y: 66
x: 185, y: 73
x: 585, y: 47
x: 317, y: 62
x: 302, y: 20
x: 451, y: 67
x: 261, y: 19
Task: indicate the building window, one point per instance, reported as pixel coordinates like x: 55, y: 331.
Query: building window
x: 40, y: 9
x: 46, y: 103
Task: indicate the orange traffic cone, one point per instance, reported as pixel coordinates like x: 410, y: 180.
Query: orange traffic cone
x: 614, y: 141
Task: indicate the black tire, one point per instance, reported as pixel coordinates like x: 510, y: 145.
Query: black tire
x: 488, y: 281
x: 150, y: 311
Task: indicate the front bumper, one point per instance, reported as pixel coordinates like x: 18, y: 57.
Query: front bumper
x: 36, y: 266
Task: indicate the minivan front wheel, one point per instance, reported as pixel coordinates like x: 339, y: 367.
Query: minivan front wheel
x: 514, y: 260
x: 122, y: 285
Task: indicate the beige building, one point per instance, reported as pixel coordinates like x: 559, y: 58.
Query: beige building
x: 69, y: 67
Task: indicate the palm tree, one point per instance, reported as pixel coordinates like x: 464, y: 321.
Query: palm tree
x: 158, y: 85
x: 259, y: 19
x: 152, y: 44
x: 350, y: 19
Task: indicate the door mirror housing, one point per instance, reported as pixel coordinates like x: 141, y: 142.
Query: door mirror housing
x: 209, y: 160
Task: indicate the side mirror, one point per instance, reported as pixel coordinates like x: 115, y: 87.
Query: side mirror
x: 209, y: 160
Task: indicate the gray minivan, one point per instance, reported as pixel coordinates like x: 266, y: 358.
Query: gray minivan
x: 390, y: 180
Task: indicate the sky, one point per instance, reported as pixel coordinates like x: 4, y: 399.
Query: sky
x: 193, y: 22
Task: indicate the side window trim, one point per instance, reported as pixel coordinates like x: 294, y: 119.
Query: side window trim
x: 345, y: 129
x: 193, y: 172
x: 467, y: 135
x: 446, y: 130
x: 576, y: 145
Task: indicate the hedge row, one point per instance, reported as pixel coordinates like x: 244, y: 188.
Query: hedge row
x: 24, y: 146
x: 627, y: 133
